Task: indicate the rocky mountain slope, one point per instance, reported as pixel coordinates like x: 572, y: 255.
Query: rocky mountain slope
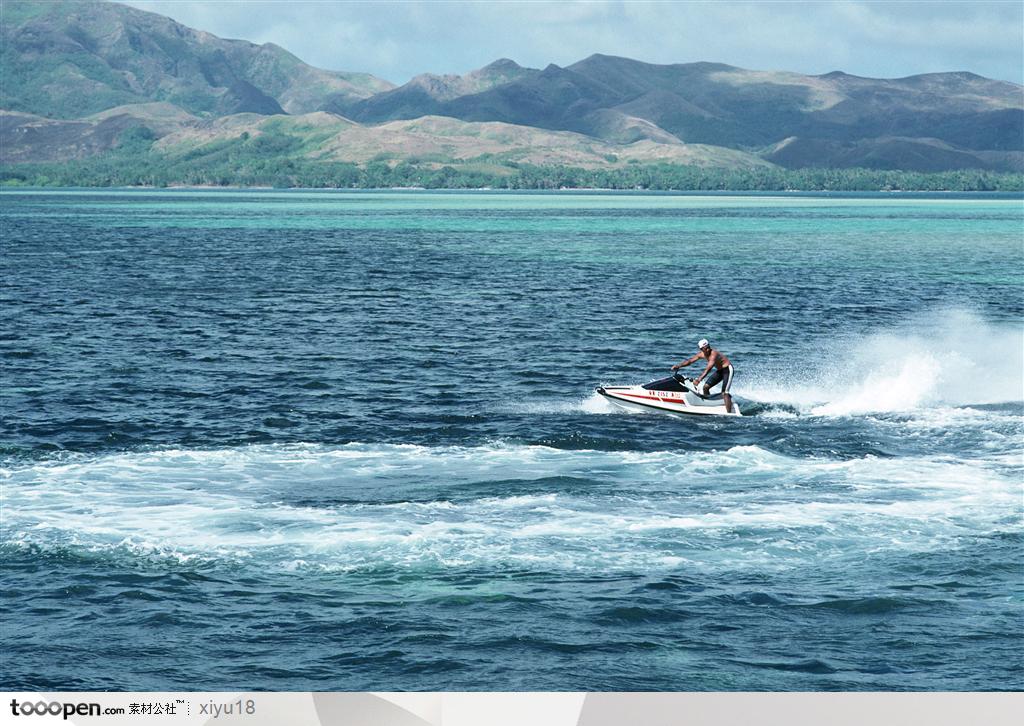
x: 72, y: 59
x: 77, y: 76
x: 830, y: 120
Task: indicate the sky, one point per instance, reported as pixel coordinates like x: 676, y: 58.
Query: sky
x: 395, y: 40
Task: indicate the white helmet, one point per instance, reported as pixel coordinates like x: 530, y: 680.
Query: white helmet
x: 703, y: 343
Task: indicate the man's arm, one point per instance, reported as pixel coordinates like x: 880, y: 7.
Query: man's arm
x: 710, y: 365
x: 686, y: 362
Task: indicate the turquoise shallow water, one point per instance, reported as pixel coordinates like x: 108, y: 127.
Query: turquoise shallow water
x: 333, y: 441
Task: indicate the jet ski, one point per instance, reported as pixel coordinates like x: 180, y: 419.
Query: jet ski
x: 675, y: 394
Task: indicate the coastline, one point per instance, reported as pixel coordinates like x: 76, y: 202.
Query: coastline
x: 1009, y: 195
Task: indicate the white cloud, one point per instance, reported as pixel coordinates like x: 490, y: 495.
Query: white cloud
x: 396, y: 40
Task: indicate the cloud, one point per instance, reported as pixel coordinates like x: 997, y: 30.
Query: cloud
x: 396, y: 40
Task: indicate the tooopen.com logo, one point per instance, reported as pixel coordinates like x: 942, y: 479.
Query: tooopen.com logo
x: 55, y: 708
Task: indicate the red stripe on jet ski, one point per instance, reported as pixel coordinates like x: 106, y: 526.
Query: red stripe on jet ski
x: 652, y: 398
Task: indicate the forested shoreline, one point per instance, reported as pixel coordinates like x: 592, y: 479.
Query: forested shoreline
x: 273, y: 161
x: 661, y: 177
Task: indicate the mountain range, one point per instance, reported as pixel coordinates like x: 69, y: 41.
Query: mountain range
x: 78, y: 76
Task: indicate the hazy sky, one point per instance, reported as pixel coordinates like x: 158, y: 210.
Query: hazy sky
x: 396, y: 40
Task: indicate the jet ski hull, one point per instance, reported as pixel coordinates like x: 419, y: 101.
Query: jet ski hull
x: 670, y: 395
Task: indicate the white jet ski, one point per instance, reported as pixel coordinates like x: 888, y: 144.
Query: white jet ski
x: 675, y: 394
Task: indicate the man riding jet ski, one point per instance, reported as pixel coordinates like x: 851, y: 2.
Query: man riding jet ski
x: 678, y: 394
x: 723, y: 370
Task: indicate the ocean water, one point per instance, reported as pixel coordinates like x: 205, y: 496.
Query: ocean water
x: 350, y: 441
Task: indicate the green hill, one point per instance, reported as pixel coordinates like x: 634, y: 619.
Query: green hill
x: 120, y: 95
x: 67, y: 60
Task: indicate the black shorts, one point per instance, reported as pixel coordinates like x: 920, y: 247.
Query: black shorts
x: 720, y: 375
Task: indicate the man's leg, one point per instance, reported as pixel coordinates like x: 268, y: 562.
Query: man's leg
x: 712, y: 380
x: 726, y: 385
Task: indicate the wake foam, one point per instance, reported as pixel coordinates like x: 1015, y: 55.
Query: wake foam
x: 593, y: 404
x: 366, y: 506
x: 946, y: 358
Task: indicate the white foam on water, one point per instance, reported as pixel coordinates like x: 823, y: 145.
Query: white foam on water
x: 946, y: 359
x: 646, y: 511
x: 596, y: 403
x: 593, y: 403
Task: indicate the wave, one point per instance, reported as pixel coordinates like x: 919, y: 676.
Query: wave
x: 593, y: 403
x: 366, y: 506
x: 947, y: 358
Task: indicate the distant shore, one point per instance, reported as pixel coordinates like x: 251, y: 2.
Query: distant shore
x: 7, y: 185
x: 151, y: 171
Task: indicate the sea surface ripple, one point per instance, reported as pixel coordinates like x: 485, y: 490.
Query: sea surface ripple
x: 350, y: 441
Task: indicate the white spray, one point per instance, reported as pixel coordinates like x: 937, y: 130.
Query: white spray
x: 946, y: 358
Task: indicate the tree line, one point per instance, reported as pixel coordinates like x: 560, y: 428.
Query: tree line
x: 269, y: 161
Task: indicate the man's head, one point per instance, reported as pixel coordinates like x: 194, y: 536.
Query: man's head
x: 704, y: 345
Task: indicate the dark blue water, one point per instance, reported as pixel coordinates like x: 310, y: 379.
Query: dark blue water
x: 349, y: 441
